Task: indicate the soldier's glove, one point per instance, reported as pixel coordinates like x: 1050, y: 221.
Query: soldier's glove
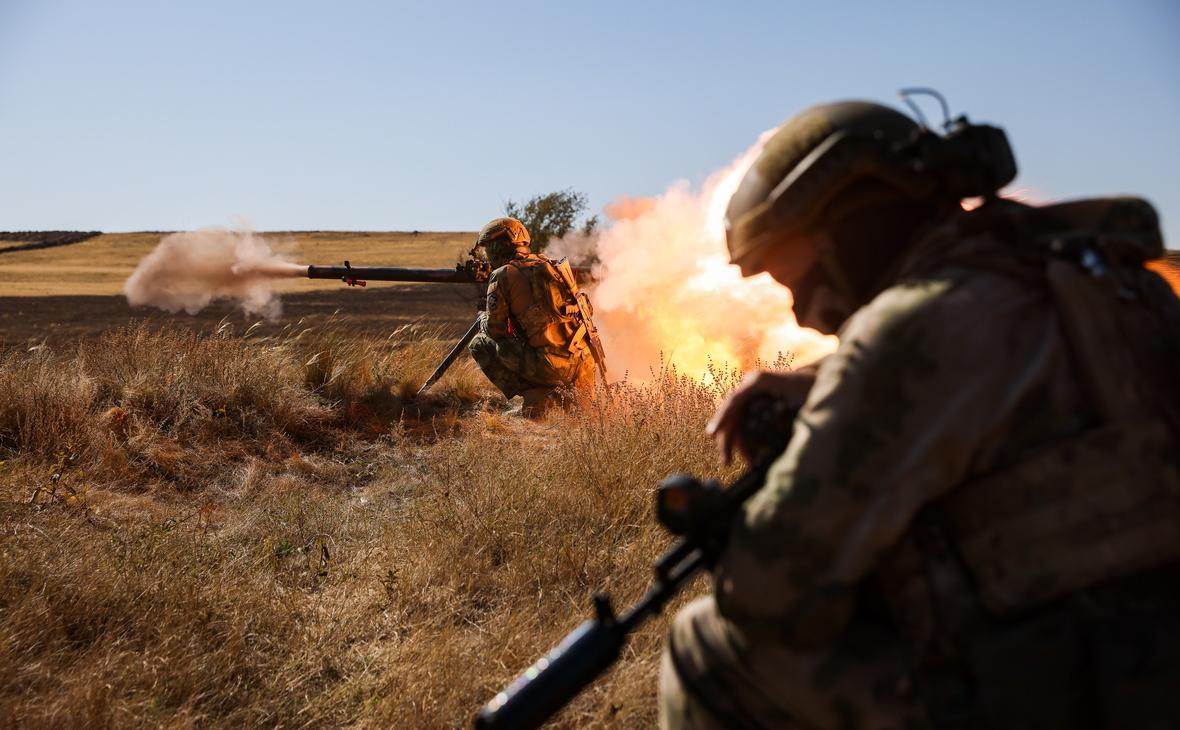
x: 738, y: 430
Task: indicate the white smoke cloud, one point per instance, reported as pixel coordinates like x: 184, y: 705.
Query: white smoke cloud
x: 187, y: 271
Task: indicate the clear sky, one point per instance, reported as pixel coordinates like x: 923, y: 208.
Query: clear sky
x: 158, y: 114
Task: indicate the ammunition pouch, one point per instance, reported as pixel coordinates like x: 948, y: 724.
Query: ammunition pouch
x: 1076, y: 514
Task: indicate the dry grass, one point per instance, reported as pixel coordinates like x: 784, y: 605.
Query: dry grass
x: 208, y: 530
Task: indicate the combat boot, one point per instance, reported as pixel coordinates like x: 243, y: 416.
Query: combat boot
x: 539, y: 402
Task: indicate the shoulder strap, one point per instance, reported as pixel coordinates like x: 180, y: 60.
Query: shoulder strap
x: 564, y: 274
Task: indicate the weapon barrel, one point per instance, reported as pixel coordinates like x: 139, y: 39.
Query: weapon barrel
x: 555, y: 679
x: 391, y: 273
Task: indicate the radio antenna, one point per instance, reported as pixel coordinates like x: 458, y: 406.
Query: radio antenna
x: 907, y: 94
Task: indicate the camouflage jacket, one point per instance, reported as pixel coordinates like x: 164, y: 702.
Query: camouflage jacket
x: 527, y: 302
x: 944, y: 391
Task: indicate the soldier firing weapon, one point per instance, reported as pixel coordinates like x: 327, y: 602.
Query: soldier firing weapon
x: 474, y: 270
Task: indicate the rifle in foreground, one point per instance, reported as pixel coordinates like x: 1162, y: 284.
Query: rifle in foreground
x: 700, y: 514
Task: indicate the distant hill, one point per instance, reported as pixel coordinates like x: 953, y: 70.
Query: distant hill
x: 30, y: 240
x: 98, y: 265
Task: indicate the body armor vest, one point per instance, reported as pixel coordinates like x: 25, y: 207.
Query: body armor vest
x: 1074, y: 516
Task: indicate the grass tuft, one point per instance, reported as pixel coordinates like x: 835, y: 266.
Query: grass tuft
x: 204, y: 529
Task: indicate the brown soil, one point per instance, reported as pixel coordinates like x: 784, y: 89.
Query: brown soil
x: 374, y: 311
x: 13, y: 241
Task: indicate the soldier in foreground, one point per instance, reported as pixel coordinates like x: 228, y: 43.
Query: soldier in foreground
x: 977, y: 521
x: 537, y: 339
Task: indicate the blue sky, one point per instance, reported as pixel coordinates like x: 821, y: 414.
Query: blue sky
x: 131, y: 115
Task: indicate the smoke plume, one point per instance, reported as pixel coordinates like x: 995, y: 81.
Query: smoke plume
x: 187, y: 271
x: 667, y: 293
x: 625, y: 209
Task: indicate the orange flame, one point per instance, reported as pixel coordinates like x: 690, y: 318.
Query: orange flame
x: 667, y: 293
x: 1169, y: 268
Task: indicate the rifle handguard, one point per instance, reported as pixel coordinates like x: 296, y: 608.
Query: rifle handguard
x: 701, y: 513
x: 556, y: 678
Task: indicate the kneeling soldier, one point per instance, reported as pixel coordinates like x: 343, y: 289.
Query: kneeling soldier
x: 536, y: 339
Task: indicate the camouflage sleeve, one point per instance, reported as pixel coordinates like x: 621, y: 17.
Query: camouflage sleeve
x: 894, y: 419
x: 495, y: 324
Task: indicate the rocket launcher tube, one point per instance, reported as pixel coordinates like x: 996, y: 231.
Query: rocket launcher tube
x: 470, y: 272
x: 353, y: 276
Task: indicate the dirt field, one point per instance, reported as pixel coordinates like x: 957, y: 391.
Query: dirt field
x: 59, y: 294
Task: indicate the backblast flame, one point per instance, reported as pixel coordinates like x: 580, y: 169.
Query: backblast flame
x: 667, y: 294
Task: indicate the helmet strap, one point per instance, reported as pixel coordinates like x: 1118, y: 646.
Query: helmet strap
x: 817, y: 303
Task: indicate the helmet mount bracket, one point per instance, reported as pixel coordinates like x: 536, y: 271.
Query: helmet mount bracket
x: 907, y: 95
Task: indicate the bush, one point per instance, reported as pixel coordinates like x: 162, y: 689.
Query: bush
x: 549, y: 217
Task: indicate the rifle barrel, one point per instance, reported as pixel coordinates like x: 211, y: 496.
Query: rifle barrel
x: 555, y: 680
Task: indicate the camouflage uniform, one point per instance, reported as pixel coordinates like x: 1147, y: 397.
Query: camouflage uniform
x: 988, y: 457
x: 528, y: 339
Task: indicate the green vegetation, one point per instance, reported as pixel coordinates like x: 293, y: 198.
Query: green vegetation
x: 552, y: 216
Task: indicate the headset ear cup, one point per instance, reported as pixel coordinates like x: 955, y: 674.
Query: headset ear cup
x: 972, y: 160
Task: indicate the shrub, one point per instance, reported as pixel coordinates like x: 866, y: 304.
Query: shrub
x: 551, y: 216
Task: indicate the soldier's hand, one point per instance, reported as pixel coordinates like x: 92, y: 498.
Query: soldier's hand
x: 726, y: 425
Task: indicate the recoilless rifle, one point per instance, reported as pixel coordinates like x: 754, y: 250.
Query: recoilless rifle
x: 699, y: 514
x: 474, y: 270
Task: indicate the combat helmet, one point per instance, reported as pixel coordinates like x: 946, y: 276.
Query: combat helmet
x: 838, y: 191
x: 503, y: 239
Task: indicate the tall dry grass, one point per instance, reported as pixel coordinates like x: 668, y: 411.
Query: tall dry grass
x: 210, y: 530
